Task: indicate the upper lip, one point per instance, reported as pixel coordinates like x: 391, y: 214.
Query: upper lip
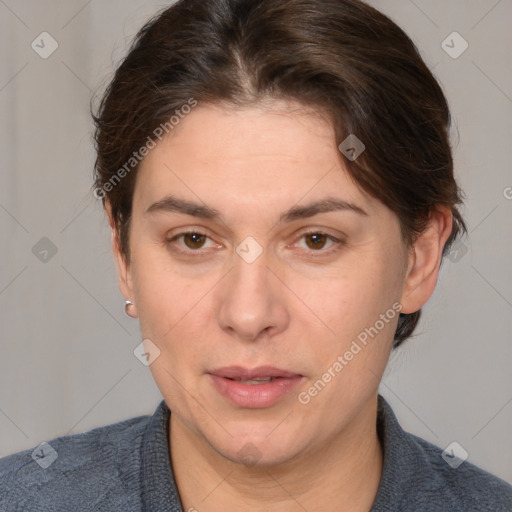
x: 239, y: 372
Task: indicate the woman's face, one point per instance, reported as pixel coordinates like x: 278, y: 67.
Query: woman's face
x: 268, y: 280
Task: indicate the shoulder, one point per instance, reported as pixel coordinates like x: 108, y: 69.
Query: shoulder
x: 457, y: 484
x: 76, y: 471
x: 420, y: 476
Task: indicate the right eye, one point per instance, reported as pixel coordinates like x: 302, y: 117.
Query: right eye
x: 192, y: 240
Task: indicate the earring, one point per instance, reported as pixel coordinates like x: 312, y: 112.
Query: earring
x: 127, y: 304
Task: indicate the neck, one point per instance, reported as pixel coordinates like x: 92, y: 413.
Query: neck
x: 343, y: 473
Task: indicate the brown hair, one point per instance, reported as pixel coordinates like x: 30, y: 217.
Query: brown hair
x: 341, y: 56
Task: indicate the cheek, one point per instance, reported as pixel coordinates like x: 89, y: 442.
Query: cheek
x: 351, y: 297
x: 348, y: 365
x: 359, y: 311
x: 356, y: 323
x: 174, y: 310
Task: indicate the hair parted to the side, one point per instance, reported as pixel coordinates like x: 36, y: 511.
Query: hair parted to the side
x: 342, y: 57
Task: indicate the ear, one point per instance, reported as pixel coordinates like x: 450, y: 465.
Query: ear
x: 424, y: 260
x: 124, y: 273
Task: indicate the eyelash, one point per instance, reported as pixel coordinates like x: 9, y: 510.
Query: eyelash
x: 319, y: 253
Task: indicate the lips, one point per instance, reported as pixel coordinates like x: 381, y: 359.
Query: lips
x: 255, y: 381
x: 261, y: 373
x: 254, y: 388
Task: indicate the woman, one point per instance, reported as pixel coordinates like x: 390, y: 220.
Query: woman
x: 279, y: 182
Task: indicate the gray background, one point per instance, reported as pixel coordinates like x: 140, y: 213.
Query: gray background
x: 66, y: 359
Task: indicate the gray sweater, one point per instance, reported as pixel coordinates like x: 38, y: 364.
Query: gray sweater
x: 125, y: 467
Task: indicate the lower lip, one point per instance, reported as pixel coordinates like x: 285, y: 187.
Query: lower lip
x: 255, y: 396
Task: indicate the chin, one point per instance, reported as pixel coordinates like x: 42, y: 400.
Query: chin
x: 258, y: 452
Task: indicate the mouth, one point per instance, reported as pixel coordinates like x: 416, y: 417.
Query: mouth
x: 254, y: 388
x: 252, y: 382
x: 261, y: 373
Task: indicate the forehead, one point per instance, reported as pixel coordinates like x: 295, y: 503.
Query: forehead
x: 269, y: 156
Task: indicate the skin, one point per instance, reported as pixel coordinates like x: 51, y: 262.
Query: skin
x: 298, y: 306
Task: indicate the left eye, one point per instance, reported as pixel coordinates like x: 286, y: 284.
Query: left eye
x: 316, y: 241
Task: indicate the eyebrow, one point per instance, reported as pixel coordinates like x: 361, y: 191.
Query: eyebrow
x: 331, y: 204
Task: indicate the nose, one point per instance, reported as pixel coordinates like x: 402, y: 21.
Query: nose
x: 253, y: 301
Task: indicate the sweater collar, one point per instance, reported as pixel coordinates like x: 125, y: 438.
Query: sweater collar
x: 405, y: 466
x: 159, y: 489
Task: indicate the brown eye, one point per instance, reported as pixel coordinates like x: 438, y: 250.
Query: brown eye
x: 194, y: 240
x: 315, y: 240
x: 318, y: 243
x: 191, y: 243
